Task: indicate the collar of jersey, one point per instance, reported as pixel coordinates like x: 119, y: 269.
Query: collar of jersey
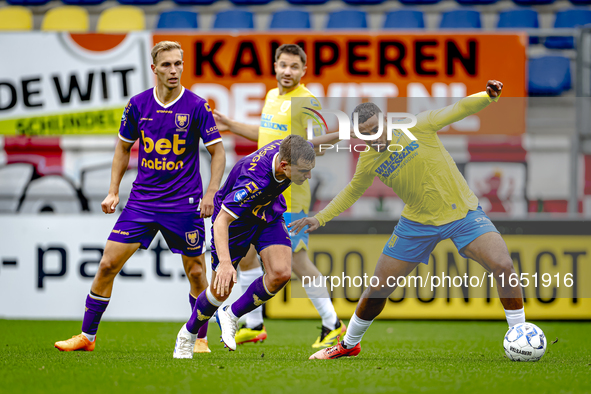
x: 172, y: 102
x: 276, y: 180
x: 290, y: 94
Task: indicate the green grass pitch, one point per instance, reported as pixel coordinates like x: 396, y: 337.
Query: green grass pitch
x: 397, y: 356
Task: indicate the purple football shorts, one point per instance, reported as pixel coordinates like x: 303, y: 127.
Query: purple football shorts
x: 256, y: 232
x: 184, y: 232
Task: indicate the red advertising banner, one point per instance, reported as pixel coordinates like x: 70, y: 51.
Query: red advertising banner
x: 235, y: 72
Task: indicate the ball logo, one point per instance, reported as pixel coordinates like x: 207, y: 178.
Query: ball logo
x: 192, y: 237
x: 181, y: 120
x: 240, y: 195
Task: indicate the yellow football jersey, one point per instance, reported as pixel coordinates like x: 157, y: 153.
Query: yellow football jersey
x: 277, y: 123
x: 423, y: 175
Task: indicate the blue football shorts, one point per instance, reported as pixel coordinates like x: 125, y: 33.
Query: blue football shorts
x: 299, y: 241
x: 413, y: 242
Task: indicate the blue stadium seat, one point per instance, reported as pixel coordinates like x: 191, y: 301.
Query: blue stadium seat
x: 138, y: 2
x: 347, y: 19
x: 525, y: 18
x: 251, y: 2
x: 363, y: 2
x: 195, y: 2
x: 404, y: 19
x: 460, y: 19
x: 290, y: 19
x: 83, y: 3
x: 568, y: 19
x: 549, y: 76
x: 234, y: 19
x: 177, y: 19
x: 307, y: 2
x: 419, y: 2
x: 476, y: 2
x: 27, y: 2
x: 533, y: 2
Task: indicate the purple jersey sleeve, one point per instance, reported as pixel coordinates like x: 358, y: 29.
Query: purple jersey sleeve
x: 128, y: 131
x: 241, y: 198
x: 208, y: 127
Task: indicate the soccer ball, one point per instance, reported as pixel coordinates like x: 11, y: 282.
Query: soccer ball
x: 524, y: 342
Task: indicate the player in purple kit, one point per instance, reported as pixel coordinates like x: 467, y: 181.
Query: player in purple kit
x: 249, y: 210
x: 167, y: 194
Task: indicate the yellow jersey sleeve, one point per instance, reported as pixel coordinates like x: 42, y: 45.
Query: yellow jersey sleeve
x: 434, y: 120
x: 352, y: 192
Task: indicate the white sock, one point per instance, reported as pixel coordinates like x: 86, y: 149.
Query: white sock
x: 357, y: 327
x: 90, y: 337
x: 515, y: 316
x: 254, y: 318
x: 318, y: 294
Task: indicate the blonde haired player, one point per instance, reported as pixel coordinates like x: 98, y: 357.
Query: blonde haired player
x: 278, y: 120
x: 439, y: 205
x: 169, y: 121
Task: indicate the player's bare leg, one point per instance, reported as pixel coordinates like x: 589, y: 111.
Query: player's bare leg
x: 370, y: 305
x: 277, y: 262
x: 332, y: 328
x: 197, y: 275
x: 490, y: 251
x: 253, y: 329
x: 114, y: 257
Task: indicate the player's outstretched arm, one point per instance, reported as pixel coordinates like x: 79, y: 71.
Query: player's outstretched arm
x: 118, y: 168
x: 225, y: 271
x: 247, y: 131
x: 437, y: 119
x: 218, y: 163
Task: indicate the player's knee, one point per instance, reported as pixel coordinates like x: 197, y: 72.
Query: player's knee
x: 108, y: 267
x: 196, y: 273
x: 503, y: 266
x: 278, y: 278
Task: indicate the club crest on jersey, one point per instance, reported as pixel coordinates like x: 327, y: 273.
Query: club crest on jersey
x: 192, y: 237
x: 181, y: 121
x: 285, y: 106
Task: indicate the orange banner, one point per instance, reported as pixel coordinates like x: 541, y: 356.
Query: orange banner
x: 235, y: 72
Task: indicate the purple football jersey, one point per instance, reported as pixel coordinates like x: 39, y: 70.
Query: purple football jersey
x: 168, y: 177
x: 251, y: 191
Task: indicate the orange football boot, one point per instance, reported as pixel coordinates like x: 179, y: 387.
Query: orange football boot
x: 77, y: 342
x: 336, y: 351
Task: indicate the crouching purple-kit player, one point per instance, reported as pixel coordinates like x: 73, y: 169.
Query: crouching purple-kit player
x: 249, y: 209
x: 169, y: 121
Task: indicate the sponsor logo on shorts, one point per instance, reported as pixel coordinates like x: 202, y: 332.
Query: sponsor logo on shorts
x: 392, y: 241
x: 481, y: 219
x: 120, y: 232
x: 240, y: 195
x: 192, y: 238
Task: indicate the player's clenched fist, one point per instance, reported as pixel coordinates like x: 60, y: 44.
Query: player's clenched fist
x: 110, y: 203
x: 493, y: 88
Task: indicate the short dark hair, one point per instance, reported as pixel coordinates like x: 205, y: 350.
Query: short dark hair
x: 292, y: 49
x: 293, y: 148
x: 365, y: 111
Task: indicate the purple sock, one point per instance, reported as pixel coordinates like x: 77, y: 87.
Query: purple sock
x: 203, y: 330
x: 255, y: 296
x: 202, y: 312
x: 95, y: 307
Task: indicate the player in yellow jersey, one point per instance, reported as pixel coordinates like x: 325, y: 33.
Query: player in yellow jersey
x: 439, y: 205
x: 278, y: 120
